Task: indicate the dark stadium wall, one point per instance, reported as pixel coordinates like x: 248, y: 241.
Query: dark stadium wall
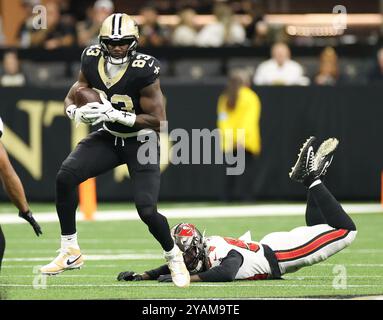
x: 38, y: 138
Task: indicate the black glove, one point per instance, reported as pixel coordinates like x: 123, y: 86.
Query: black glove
x: 165, y: 278
x: 129, y: 276
x: 28, y: 216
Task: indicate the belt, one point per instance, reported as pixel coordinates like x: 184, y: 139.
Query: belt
x: 273, y: 262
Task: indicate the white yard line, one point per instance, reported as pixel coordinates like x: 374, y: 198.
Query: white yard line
x: 203, y: 212
x: 236, y: 284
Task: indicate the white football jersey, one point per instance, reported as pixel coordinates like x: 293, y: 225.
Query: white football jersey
x: 1, y: 127
x: 254, y: 266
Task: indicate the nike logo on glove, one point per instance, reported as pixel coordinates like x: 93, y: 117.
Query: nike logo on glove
x: 68, y: 262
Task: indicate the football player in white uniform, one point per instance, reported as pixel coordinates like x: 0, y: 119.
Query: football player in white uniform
x: 217, y: 259
x: 14, y: 188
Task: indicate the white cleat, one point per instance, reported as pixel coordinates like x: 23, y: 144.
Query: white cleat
x: 68, y: 259
x: 324, y: 155
x: 179, y: 272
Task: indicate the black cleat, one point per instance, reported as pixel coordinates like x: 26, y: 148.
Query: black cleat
x: 303, y: 171
x: 324, y: 155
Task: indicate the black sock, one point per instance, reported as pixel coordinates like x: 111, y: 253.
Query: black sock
x: 66, y: 201
x: 314, y: 214
x: 331, y: 209
x: 2, y: 246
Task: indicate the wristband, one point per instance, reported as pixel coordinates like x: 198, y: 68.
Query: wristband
x: 70, y: 111
x: 126, y: 118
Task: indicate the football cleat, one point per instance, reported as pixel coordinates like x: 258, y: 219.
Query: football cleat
x: 179, y: 272
x: 68, y: 259
x: 324, y: 155
x: 304, y: 166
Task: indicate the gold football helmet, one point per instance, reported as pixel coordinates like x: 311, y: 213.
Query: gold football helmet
x: 118, y: 29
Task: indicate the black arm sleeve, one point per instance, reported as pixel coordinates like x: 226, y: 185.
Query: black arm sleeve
x: 155, y: 273
x: 226, y: 271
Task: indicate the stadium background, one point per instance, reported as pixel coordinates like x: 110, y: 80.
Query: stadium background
x: 192, y: 79
x: 38, y: 138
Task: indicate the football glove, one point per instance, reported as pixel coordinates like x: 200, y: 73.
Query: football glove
x: 165, y: 278
x: 129, y: 276
x: 29, y: 217
x: 79, y: 114
x: 104, y: 112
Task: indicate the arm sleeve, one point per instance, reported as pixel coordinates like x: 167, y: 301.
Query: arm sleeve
x: 155, y: 273
x: 226, y: 271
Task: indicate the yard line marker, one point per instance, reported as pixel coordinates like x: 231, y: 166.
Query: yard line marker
x: 194, y: 285
x: 203, y: 212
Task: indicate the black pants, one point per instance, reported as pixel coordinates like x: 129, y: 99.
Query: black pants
x: 101, y: 152
x: 2, y: 246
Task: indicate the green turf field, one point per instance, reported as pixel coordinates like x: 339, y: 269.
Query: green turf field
x: 114, y: 242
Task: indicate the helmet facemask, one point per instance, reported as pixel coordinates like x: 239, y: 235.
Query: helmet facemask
x: 190, y: 240
x: 131, y: 50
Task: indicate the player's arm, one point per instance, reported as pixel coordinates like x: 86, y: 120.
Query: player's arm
x: 152, y: 103
x: 224, y: 272
x: 69, y: 101
x: 14, y: 189
x: 11, y: 182
x: 147, y: 275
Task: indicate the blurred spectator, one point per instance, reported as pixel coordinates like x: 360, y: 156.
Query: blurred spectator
x: 26, y: 28
x: 239, y: 108
x: 257, y: 32
x: 185, y: 33
x: 225, y: 31
x: 58, y: 34
x: 88, y: 30
x: 12, y: 75
x: 152, y: 34
x: 280, y: 69
x: 328, y: 68
x: 376, y: 74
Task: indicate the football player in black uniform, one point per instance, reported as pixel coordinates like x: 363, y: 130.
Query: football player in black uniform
x: 14, y: 188
x: 131, y: 112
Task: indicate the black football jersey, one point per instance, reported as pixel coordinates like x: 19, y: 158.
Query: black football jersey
x: 122, y: 90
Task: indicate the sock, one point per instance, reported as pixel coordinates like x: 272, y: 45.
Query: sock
x: 331, y: 209
x: 69, y: 241
x: 173, y: 252
x: 313, y: 215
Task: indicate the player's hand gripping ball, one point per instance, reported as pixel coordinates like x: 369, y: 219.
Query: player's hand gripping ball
x: 84, y: 97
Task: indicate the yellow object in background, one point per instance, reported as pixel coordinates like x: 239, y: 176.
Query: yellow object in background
x: 244, y: 115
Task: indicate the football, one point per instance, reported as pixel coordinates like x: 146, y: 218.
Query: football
x: 85, y: 95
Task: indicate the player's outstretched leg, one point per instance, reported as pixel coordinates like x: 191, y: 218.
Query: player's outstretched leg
x: 322, y: 160
x: 308, y: 169
x: 69, y: 256
x: 78, y: 167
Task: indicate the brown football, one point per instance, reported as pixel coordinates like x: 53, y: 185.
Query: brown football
x: 85, y: 95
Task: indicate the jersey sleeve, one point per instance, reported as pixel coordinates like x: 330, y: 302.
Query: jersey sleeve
x: 87, y: 55
x: 226, y: 270
x: 155, y: 273
x: 148, y: 70
x: 1, y: 127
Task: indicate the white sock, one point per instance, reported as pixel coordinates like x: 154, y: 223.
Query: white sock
x: 172, y: 252
x: 315, y: 183
x: 69, y: 241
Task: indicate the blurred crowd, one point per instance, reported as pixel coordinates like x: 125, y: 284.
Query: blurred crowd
x: 76, y: 24
x: 66, y: 28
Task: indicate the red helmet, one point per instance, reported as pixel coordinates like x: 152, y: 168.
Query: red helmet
x: 190, y: 240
